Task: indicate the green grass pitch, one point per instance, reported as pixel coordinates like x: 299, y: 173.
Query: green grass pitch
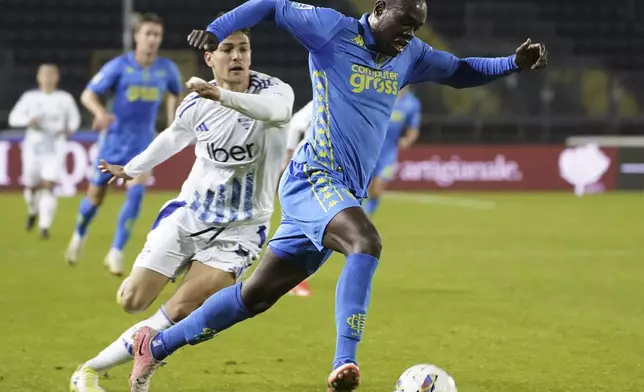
x: 540, y: 292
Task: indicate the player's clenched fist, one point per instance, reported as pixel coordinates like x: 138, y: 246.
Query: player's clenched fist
x: 117, y: 171
x: 201, y: 39
x: 531, y: 56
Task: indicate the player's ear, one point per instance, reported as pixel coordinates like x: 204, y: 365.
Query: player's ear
x: 207, y: 56
x: 378, y: 8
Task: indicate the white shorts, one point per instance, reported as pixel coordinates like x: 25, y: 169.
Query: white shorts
x: 40, y: 164
x: 179, y: 237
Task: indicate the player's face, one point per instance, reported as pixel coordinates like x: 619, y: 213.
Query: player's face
x: 47, y: 77
x: 396, y: 23
x: 231, y: 60
x: 148, y: 37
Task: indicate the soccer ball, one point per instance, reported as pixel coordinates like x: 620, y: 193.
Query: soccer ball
x: 425, y: 378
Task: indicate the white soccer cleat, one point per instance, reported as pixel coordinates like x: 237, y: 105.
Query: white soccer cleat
x: 74, y: 248
x: 85, y: 379
x: 114, y: 262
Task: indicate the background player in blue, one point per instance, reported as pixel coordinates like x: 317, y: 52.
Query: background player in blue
x: 401, y: 133
x: 139, y: 81
x: 357, y: 68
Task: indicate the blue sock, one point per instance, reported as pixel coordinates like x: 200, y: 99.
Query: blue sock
x: 351, y: 303
x: 220, y: 312
x: 129, y: 213
x: 86, y: 212
x: 371, y: 205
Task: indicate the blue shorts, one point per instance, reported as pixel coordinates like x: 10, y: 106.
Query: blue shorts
x: 115, y: 155
x: 310, y: 199
x: 386, y: 167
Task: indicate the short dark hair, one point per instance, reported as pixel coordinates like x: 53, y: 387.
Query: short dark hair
x: 243, y: 31
x: 147, y: 17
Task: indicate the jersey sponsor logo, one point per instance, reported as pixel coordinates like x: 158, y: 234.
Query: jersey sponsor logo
x: 364, y: 79
x: 301, y: 6
x: 143, y: 93
x: 235, y: 153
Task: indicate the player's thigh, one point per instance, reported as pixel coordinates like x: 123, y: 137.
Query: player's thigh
x: 31, y: 169
x: 167, y: 248
x: 199, y: 283
x: 351, y: 231
x: 324, y: 210
x: 52, y: 168
x: 139, y: 290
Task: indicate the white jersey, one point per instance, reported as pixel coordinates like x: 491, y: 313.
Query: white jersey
x: 300, y: 123
x: 239, y: 149
x: 57, y: 116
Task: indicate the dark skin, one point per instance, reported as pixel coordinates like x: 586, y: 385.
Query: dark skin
x: 394, y: 24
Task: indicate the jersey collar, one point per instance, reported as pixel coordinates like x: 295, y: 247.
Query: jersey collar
x: 366, y: 32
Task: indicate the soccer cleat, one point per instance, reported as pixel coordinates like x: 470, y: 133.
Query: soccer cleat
x: 114, y: 262
x: 31, y: 222
x: 344, y: 378
x: 74, y: 248
x: 301, y: 290
x: 144, y: 363
x: 44, y: 234
x: 85, y: 379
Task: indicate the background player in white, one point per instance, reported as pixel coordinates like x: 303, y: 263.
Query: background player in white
x: 220, y: 220
x: 50, y: 115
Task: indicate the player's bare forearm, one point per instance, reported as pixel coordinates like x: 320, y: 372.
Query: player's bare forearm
x: 171, y: 105
x: 409, y: 138
x: 92, y: 102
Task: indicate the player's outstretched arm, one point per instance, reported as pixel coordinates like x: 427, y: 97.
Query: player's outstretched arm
x: 445, y: 68
x: 312, y: 26
x: 19, y: 116
x: 168, y: 143
x: 273, y: 104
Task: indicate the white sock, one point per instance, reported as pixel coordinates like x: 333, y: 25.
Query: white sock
x: 47, y: 203
x: 30, y: 200
x: 118, y: 352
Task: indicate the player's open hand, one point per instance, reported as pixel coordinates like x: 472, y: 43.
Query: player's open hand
x: 116, y: 170
x: 103, y: 121
x: 531, y: 56
x: 203, y: 88
x: 203, y: 40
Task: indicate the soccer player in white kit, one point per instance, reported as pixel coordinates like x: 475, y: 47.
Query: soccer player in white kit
x: 50, y: 116
x: 219, y: 223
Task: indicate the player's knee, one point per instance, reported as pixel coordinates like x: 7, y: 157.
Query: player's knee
x: 134, y: 303
x: 96, y: 196
x: 368, y: 242
x: 178, y: 311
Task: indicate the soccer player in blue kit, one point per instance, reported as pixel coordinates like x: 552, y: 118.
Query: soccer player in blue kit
x: 139, y: 81
x: 401, y: 133
x: 357, y: 69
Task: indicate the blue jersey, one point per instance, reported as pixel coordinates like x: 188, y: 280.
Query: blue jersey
x: 138, y: 92
x: 405, y: 115
x: 355, y: 87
